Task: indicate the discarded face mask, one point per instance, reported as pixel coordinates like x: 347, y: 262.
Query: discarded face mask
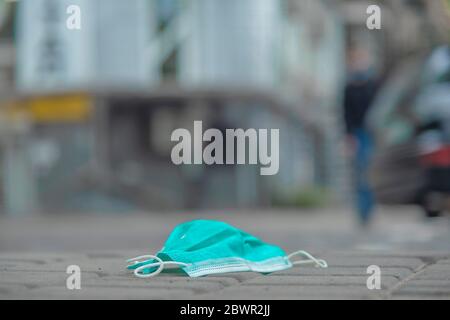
x: 203, y: 247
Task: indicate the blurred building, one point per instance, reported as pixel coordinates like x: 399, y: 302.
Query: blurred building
x: 88, y: 113
x: 408, y: 28
x: 7, y: 56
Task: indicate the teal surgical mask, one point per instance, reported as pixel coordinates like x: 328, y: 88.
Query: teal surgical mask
x: 203, y: 247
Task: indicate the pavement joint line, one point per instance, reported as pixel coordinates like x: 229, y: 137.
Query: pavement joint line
x: 412, y: 269
x: 403, y: 282
x: 338, y: 275
x: 158, y: 287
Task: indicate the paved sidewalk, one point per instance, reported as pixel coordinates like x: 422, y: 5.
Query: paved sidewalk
x: 31, y: 276
x: 414, y: 258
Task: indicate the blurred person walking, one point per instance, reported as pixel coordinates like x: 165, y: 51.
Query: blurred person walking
x: 359, y: 92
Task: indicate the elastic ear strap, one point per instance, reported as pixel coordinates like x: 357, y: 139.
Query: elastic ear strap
x: 159, y: 263
x: 319, y: 262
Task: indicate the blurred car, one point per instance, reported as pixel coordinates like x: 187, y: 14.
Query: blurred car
x: 410, y: 120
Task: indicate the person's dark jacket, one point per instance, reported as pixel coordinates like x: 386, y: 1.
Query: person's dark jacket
x: 358, y: 98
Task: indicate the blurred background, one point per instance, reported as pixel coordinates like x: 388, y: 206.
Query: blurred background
x: 86, y: 115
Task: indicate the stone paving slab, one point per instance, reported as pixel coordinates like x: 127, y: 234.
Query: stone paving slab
x: 293, y: 292
x: 331, y: 271
x: 445, y: 261
x: 435, y: 272
x: 43, y: 276
x: 424, y: 293
x: 336, y: 281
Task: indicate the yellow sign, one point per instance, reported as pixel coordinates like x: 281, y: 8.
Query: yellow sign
x: 58, y: 108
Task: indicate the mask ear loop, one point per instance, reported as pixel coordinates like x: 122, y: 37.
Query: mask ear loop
x: 159, y: 263
x: 319, y: 262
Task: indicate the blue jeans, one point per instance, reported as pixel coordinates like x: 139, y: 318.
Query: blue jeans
x: 364, y: 197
